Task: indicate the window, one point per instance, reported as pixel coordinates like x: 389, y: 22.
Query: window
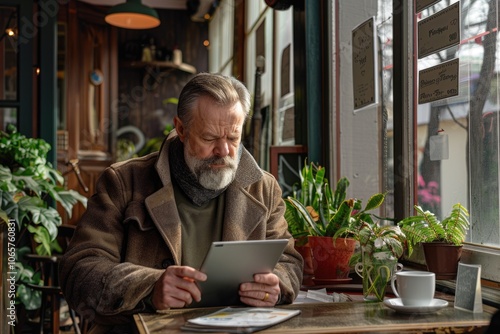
x: 466, y: 123
x: 452, y: 154
x: 8, y: 65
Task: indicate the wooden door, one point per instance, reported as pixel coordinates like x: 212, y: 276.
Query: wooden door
x: 87, y: 137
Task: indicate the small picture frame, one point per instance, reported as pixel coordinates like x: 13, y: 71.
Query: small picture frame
x: 468, y: 295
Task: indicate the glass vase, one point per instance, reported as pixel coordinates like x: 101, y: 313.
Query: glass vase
x: 376, y: 270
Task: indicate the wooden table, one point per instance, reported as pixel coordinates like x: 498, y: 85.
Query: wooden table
x: 347, y: 317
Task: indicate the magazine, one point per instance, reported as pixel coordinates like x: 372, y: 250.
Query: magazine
x: 239, y: 320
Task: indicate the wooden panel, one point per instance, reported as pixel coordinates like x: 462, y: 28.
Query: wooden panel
x: 90, y: 118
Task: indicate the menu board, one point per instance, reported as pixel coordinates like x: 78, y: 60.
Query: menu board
x: 438, y: 82
x: 363, y: 64
x: 468, y: 291
x: 439, y: 31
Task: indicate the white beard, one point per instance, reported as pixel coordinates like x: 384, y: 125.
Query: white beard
x: 209, y: 178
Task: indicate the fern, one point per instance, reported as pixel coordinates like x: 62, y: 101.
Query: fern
x: 456, y: 224
x: 425, y: 227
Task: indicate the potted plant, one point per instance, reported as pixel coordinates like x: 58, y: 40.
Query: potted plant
x: 297, y: 225
x: 329, y: 220
x: 442, y: 241
x: 28, y: 184
x: 376, y: 263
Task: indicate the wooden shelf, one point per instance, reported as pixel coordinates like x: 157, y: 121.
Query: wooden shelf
x: 159, y: 64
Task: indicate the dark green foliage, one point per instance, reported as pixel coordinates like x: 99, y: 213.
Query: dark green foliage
x: 28, y: 183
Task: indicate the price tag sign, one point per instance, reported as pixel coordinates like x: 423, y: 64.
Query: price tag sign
x: 468, y: 291
x: 364, y: 62
x: 438, y: 82
x: 439, y: 31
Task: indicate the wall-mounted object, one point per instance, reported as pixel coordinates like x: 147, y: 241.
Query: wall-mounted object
x: 133, y: 15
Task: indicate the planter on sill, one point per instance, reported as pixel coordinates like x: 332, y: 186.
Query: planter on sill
x: 331, y: 257
x: 442, y: 259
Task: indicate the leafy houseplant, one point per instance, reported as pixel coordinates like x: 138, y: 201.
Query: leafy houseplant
x: 449, y: 234
x: 317, y: 211
x: 28, y: 182
x: 329, y: 220
x: 381, y: 247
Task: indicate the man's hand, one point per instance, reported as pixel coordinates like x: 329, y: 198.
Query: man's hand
x: 176, y: 287
x: 264, y: 291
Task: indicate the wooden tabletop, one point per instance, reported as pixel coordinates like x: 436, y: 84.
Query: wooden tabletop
x: 345, y: 317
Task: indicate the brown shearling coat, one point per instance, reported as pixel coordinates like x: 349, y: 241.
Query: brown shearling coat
x: 131, y: 231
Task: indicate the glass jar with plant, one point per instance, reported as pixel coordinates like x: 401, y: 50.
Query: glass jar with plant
x: 29, y: 190
x: 376, y: 263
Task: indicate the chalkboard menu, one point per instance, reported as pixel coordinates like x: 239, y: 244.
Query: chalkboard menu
x: 468, y: 291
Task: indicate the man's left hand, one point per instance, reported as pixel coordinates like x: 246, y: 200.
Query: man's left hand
x: 264, y: 291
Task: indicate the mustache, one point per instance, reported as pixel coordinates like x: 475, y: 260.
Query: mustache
x: 226, y: 161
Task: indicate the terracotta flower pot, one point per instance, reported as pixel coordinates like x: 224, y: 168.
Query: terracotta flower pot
x: 442, y: 259
x: 331, y: 257
x: 305, y: 252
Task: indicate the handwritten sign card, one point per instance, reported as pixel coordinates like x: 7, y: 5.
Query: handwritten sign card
x: 468, y: 291
x: 438, y: 82
x: 363, y: 64
x: 439, y: 31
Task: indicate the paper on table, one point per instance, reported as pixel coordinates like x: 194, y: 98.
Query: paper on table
x: 240, y: 320
x: 322, y: 296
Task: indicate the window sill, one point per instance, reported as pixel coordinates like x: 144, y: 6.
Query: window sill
x: 487, y: 257
x: 491, y: 296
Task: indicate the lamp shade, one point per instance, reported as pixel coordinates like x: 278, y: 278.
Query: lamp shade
x: 132, y: 15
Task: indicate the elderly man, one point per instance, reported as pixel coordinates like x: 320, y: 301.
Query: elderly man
x: 149, y: 225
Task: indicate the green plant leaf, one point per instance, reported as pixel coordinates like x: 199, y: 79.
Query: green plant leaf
x: 340, y: 192
x: 68, y: 198
x: 375, y: 201
x: 456, y: 224
x: 301, y: 209
x: 296, y: 224
x: 341, y: 217
x: 30, y: 298
x: 41, y: 236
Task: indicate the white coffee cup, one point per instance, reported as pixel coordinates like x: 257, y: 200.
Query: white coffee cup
x: 415, y: 288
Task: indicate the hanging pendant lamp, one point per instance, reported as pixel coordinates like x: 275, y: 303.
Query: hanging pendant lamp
x: 132, y: 15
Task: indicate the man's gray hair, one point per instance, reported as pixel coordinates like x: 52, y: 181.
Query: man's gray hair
x: 224, y: 90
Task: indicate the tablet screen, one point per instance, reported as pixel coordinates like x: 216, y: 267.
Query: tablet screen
x: 230, y: 263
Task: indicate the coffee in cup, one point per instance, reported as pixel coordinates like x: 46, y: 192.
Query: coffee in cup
x: 415, y: 288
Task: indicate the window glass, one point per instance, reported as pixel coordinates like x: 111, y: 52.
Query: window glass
x: 364, y: 134
x: 457, y: 137
x: 8, y: 52
x: 8, y: 64
x: 7, y: 116
x: 384, y: 22
x: 61, y: 86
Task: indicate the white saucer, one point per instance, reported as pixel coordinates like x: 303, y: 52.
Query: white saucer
x: 396, y: 304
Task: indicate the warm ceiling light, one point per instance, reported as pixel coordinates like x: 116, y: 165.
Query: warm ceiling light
x: 11, y: 32
x: 133, y: 15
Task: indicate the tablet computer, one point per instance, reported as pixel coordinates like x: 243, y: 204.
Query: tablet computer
x: 230, y: 263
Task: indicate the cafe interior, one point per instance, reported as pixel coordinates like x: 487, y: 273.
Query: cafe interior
x: 400, y: 98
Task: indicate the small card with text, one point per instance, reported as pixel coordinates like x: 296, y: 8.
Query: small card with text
x: 468, y: 291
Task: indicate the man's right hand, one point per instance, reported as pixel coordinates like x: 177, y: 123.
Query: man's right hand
x: 177, y: 288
